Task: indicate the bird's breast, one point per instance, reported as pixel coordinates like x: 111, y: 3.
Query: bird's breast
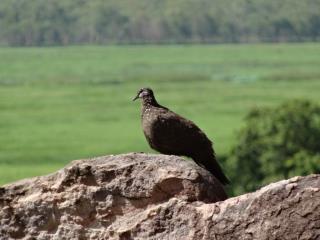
x: 149, y: 121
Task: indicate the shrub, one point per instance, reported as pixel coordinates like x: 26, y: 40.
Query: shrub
x: 276, y: 143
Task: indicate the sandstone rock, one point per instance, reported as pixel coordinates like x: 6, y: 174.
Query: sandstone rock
x: 144, y: 196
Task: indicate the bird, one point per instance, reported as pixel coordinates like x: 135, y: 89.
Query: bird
x: 169, y: 133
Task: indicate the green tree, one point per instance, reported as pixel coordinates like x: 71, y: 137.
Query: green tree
x: 276, y: 143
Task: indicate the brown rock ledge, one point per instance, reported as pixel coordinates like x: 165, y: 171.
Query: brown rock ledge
x: 148, y: 196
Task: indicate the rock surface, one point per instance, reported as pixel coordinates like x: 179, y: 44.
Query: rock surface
x: 144, y: 196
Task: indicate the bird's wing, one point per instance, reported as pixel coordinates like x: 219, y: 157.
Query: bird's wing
x: 178, y: 134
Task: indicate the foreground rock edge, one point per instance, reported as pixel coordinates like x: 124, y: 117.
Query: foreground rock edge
x: 147, y: 196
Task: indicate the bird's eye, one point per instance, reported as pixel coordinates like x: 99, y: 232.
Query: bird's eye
x: 141, y: 94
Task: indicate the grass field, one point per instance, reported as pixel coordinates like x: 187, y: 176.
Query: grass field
x: 60, y: 104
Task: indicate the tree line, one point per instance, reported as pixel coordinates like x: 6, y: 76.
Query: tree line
x: 54, y: 22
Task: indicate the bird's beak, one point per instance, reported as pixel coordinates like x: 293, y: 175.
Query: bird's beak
x: 136, y: 97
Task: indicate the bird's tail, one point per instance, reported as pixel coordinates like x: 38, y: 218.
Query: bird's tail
x: 210, y: 163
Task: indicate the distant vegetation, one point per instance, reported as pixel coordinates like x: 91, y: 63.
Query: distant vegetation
x: 56, y: 22
x: 276, y: 143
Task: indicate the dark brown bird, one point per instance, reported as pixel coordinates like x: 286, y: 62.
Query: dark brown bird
x: 169, y: 133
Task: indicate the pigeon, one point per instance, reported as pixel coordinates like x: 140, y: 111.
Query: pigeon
x: 172, y: 134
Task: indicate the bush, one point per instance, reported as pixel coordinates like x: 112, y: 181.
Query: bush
x: 276, y: 143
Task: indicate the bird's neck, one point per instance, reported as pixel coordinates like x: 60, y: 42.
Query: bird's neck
x: 148, y: 104
x: 150, y: 101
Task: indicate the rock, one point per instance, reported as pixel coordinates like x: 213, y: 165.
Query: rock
x: 142, y: 196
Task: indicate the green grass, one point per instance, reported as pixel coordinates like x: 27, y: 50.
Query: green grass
x: 60, y: 104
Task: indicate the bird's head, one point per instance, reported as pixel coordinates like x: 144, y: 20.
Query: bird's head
x: 144, y: 93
